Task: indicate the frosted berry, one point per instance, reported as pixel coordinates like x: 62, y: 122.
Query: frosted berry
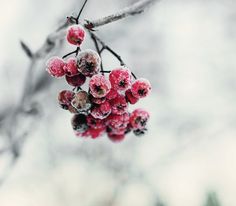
x: 64, y: 98
x: 138, y: 119
x: 76, y: 80
x: 120, y: 79
x: 95, y: 123
x: 112, y: 94
x: 118, y: 121
x: 99, y: 86
x: 79, y: 123
x: 140, y: 88
x: 55, y: 67
x: 81, y: 102
x: 75, y: 35
x: 101, y: 111
x: 130, y: 97
x: 70, y: 67
x: 88, y: 62
x: 119, y: 105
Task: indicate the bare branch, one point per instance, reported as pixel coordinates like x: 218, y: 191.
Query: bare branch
x: 26, y: 49
x: 131, y: 10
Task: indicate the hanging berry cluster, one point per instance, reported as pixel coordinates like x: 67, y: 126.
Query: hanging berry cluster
x: 103, y: 107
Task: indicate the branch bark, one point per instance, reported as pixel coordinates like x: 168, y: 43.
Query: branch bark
x: 131, y: 10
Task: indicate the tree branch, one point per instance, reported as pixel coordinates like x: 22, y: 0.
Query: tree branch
x: 131, y: 10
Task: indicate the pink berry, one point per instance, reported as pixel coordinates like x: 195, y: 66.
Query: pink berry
x: 120, y: 79
x: 64, y: 98
x: 55, y: 67
x: 76, y: 80
x: 70, y: 67
x: 119, y: 105
x: 79, y: 123
x: 101, y: 111
x: 99, y: 86
x: 88, y: 62
x: 95, y: 123
x: 81, y: 102
x: 112, y: 94
x: 140, y: 88
x: 118, y: 121
x: 138, y: 118
x: 130, y: 97
x: 75, y: 35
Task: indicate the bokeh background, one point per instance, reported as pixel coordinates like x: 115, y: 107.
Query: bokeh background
x: 186, y: 48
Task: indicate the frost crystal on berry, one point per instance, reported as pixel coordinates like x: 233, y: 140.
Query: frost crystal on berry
x: 95, y: 123
x: 54, y: 67
x: 120, y: 79
x: 140, y: 88
x: 75, y: 35
x: 99, y: 86
x: 76, y: 80
x: 70, y: 67
x: 101, y: 111
x: 118, y: 122
x: 112, y: 94
x: 138, y: 119
x: 119, y: 105
x: 88, y: 62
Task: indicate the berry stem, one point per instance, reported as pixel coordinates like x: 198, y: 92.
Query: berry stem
x: 80, y: 12
x: 97, y: 48
x: 73, y: 52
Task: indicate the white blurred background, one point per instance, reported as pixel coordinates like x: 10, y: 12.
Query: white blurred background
x: 187, y: 49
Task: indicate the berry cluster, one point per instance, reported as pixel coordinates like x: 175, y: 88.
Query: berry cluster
x: 103, y: 108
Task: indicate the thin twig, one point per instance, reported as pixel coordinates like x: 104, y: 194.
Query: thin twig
x: 80, y: 12
x: 73, y: 52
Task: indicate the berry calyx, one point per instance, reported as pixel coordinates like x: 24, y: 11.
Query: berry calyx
x: 119, y: 105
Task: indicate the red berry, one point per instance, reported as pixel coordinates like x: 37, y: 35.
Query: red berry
x: 130, y: 97
x: 140, y: 88
x: 99, y: 86
x: 112, y: 94
x: 116, y: 137
x: 75, y: 35
x: 79, y: 123
x: 138, y: 118
x: 118, y: 121
x: 101, y: 111
x: 55, y: 67
x: 76, y: 80
x: 70, y: 67
x: 88, y: 62
x: 81, y: 102
x: 64, y: 98
x: 95, y: 123
x: 120, y: 79
x: 119, y: 105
